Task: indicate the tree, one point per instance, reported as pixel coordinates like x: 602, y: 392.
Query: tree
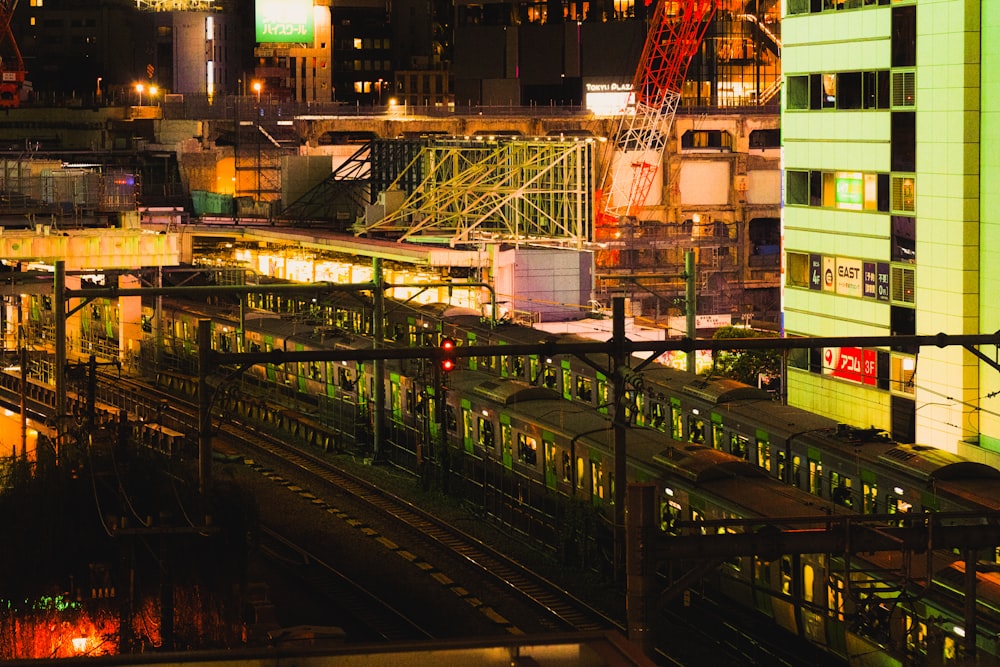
x: 753, y: 367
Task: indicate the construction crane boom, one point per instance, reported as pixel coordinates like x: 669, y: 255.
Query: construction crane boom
x: 675, y: 35
x: 11, y: 62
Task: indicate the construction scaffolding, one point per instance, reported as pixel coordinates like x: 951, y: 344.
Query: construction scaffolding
x: 496, y: 189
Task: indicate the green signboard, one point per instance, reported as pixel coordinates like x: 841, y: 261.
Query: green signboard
x: 284, y: 21
x: 850, y: 191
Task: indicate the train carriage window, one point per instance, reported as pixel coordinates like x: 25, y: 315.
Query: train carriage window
x: 670, y: 514
x: 450, y: 419
x: 781, y: 463
x: 696, y: 429
x: 796, y: 479
x: 696, y: 516
x: 916, y: 633
x: 345, y: 378
x: 640, y: 408
x: 527, y: 449
x: 567, y: 467
x: 739, y: 445
x: 786, y: 575
x: 840, y: 489
x: 628, y: 406
x: 550, y: 378
x: 567, y: 383
x: 534, y: 372
x: 580, y: 470
x: 657, y: 419
x: 517, y: 366
x: 315, y: 372
x: 420, y: 401
x: 486, y: 437
x: 505, y: 366
x: 584, y: 389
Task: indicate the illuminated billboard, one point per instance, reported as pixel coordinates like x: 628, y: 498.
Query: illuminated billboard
x: 850, y: 191
x: 284, y: 21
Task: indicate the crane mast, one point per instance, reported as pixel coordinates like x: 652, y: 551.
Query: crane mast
x: 674, y: 37
x: 11, y: 62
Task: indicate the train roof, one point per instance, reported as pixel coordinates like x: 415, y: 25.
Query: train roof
x: 508, y: 392
x: 699, y: 463
x: 931, y: 463
x: 724, y: 390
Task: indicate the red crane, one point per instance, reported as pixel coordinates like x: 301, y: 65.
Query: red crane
x: 675, y: 35
x: 11, y: 62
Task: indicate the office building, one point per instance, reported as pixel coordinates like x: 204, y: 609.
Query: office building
x: 890, y: 221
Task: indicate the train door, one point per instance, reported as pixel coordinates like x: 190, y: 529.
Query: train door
x: 596, y: 479
x: 301, y: 371
x: 395, y: 398
x: 815, y: 471
x: 696, y: 428
x: 762, y: 586
x: 506, y: 442
x: 603, y: 394
x: 584, y: 389
x: 566, y: 379
x: 473, y: 362
x: 718, y: 433
x: 763, y: 450
x: 268, y: 346
x: 433, y: 414
x: 812, y: 620
x: 676, y: 419
x: 869, y: 490
x: 836, y: 627
x: 468, y: 441
x: 551, y: 465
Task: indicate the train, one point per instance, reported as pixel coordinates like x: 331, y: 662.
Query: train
x: 527, y: 441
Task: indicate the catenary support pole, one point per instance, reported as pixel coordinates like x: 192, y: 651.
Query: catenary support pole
x: 204, y: 407
x: 378, y: 419
x: 619, y: 363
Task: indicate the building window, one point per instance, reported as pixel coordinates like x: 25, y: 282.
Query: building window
x: 904, y: 239
x: 904, y: 141
x: 904, y: 89
x: 904, y: 36
x: 904, y: 194
x: 707, y: 140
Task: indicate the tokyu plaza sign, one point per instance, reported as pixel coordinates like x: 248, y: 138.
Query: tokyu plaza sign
x: 284, y: 21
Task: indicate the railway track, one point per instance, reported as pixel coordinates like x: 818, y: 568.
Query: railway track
x: 381, y: 620
x: 692, y: 634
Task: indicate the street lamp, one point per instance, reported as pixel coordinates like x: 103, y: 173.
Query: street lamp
x: 152, y: 93
x: 256, y: 88
x: 139, y: 88
x: 379, y: 84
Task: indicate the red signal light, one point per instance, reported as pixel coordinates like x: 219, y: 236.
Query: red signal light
x: 447, y: 358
